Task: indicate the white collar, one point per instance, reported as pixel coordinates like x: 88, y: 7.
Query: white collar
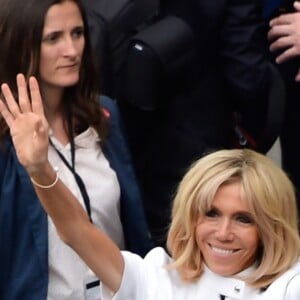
x: 86, y: 140
x: 231, y: 287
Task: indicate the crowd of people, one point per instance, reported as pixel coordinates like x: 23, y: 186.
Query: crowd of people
x: 164, y: 207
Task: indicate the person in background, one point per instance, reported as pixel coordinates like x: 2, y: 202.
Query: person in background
x: 230, y: 73
x: 233, y: 233
x: 271, y: 6
x: 284, y: 36
x: 83, y: 143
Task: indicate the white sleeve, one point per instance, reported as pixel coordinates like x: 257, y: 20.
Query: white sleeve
x: 134, y: 285
x: 293, y: 289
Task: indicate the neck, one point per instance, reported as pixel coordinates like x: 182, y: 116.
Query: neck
x: 52, y: 100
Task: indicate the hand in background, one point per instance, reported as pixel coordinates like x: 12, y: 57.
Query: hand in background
x: 284, y: 35
x: 27, y: 123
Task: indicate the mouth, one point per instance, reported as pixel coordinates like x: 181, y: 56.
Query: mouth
x: 69, y: 66
x: 222, y: 251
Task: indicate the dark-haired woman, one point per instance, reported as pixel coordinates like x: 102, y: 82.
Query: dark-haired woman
x: 48, y: 40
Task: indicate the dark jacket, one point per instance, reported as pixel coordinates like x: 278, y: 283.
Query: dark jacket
x: 229, y: 73
x: 23, y: 222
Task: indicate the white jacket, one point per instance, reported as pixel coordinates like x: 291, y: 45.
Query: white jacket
x: 147, y: 279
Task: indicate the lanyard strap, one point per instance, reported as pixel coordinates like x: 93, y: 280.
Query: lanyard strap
x: 77, y: 177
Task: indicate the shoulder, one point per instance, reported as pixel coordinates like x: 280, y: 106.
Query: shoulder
x: 158, y: 256
x: 287, y: 286
x: 145, y: 278
x: 115, y: 146
x: 111, y: 111
x: 293, y: 288
x: 293, y: 272
x: 155, y: 257
x: 115, y: 133
x: 293, y: 282
x: 109, y: 105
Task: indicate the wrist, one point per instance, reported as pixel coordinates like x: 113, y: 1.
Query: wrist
x: 46, y: 186
x: 44, y: 175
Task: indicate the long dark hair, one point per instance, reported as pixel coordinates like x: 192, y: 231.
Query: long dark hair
x: 21, y: 28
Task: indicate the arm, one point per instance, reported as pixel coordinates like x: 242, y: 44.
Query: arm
x: 284, y: 35
x: 29, y: 131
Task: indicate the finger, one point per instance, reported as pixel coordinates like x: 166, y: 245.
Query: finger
x: 297, y: 5
x: 282, y: 19
x: 5, y: 113
x: 279, y: 31
x: 287, y: 55
x: 281, y: 43
x: 24, y: 100
x: 36, y: 99
x: 297, y: 78
x: 11, y: 103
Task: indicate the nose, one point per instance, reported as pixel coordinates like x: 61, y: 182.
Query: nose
x: 70, y: 48
x: 224, y: 231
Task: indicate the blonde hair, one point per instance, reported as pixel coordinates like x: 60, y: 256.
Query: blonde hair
x: 269, y: 195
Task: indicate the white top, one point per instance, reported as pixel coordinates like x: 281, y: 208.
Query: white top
x: 67, y: 272
x: 147, y: 279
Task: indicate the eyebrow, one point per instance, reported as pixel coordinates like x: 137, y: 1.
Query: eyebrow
x: 80, y: 26
x: 240, y: 212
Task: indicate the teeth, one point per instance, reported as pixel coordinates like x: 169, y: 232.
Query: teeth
x: 222, y: 251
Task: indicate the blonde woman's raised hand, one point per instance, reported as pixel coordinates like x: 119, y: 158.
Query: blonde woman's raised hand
x: 27, y: 123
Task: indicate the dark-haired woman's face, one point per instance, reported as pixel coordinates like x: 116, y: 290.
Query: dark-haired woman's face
x: 62, y: 46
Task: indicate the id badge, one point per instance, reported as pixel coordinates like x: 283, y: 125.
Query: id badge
x: 92, y: 290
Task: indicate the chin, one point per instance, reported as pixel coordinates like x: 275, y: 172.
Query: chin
x: 71, y: 83
x: 67, y: 78
x: 223, y: 271
x: 68, y: 82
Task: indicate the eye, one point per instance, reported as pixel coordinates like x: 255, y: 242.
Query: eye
x: 78, y: 32
x: 51, y: 37
x: 212, y: 213
x: 243, y: 218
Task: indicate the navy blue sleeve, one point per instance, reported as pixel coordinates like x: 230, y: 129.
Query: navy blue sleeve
x: 23, y: 234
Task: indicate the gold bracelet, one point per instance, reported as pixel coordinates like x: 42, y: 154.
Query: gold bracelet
x: 46, y: 186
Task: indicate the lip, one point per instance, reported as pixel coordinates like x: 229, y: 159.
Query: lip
x: 222, y: 251
x: 68, y: 66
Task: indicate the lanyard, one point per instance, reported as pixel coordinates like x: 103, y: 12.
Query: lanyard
x: 77, y: 177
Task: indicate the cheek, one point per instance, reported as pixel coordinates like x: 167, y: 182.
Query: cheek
x: 44, y: 69
x: 202, y: 231
x: 253, y: 241
x: 47, y: 60
x: 81, y: 48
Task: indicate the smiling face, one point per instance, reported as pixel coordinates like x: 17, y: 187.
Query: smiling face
x: 227, y: 236
x: 62, y: 45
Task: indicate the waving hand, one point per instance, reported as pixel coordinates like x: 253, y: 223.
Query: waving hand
x: 27, y: 123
